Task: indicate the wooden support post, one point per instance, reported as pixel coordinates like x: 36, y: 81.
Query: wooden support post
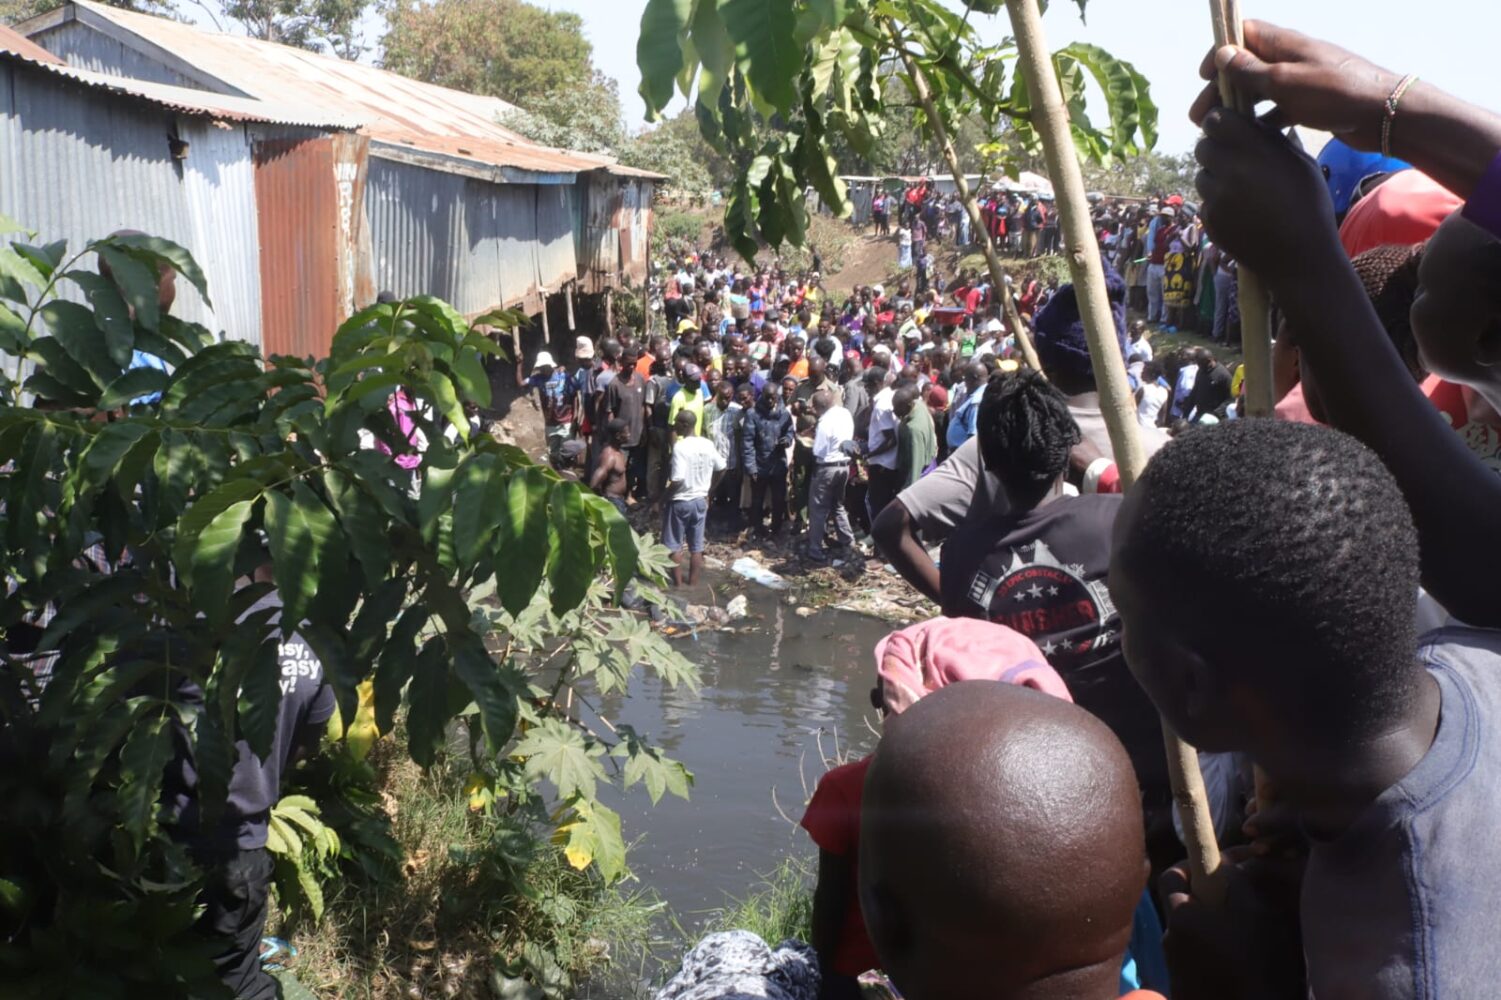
x: 1050, y: 119
x: 610, y: 308
x: 568, y: 293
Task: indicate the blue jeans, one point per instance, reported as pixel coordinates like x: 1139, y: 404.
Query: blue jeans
x: 1224, y: 288
x: 685, y: 524
x: 1155, y: 275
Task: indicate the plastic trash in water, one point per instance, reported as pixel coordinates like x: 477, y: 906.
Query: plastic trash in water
x: 750, y: 569
x: 738, y: 607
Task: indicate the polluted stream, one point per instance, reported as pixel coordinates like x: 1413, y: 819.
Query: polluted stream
x: 778, y: 694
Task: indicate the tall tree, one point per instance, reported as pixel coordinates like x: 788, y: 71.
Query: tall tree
x: 307, y: 24
x: 12, y: 11
x: 588, y: 118
x: 509, y: 49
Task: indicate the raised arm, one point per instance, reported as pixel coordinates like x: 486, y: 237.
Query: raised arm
x: 1252, y: 180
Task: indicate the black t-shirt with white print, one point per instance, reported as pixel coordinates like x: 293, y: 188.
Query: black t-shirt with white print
x: 1043, y: 573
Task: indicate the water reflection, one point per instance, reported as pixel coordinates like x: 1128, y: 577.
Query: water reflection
x: 750, y: 733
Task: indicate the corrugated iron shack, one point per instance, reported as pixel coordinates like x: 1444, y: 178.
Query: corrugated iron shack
x: 429, y: 194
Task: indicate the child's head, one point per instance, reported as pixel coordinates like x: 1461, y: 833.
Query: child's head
x: 1000, y: 844
x: 1457, y: 315
x: 1265, y: 573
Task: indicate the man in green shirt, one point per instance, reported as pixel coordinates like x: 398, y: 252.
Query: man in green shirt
x: 916, y: 439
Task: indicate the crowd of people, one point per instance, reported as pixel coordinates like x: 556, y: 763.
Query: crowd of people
x: 1306, y: 599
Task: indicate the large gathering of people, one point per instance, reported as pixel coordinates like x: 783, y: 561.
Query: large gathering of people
x: 1301, y: 597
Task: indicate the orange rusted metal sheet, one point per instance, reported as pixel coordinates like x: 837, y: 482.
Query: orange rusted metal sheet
x: 298, y: 201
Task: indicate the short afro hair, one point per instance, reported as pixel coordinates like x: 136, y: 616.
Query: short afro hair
x: 1265, y: 527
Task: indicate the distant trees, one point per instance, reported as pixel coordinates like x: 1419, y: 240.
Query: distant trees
x: 509, y: 49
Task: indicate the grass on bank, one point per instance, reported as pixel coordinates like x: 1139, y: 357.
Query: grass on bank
x: 778, y: 908
x: 478, y: 909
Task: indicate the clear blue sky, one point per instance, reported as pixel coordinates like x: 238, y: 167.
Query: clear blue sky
x: 1450, y: 42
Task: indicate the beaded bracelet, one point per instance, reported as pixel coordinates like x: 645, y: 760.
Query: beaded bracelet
x: 1391, y: 111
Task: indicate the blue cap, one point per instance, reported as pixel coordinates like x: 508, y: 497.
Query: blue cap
x: 1345, y: 167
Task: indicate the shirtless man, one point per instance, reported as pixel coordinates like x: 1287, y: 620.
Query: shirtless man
x: 609, y: 479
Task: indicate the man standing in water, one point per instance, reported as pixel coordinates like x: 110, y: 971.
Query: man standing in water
x: 696, y: 468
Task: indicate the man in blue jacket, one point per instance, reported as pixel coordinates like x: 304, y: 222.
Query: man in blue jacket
x: 766, y: 437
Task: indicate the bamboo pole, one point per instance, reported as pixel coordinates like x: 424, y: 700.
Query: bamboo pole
x: 998, y: 282
x: 1255, y: 305
x: 1050, y: 119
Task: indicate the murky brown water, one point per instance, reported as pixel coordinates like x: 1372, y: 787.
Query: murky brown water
x: 751, y: 732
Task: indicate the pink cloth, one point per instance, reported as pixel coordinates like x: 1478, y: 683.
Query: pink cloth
x: 401, y: 408
x: 922, y: 658
x: 1405, y: 209
x: 1293, y: 407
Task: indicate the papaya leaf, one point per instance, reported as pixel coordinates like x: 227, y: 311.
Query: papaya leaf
x: 560, y: 753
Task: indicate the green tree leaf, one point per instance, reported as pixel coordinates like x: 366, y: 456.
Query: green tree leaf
x: 478, y: 496
x: 522, y: 542
x: 398, y: 659
x: 620, y: 541
x: 360, y: 517
x: 142, y: 759
x: 493, y: 686
x: 573, y: 566
x: 659, y: 51
x: 111, y: 315
x: 171, y: 254
x: 260, y: 694
x: 208, y: 536
x: 133, y: 384
x: 427, y: 699
x: 73, y: 328
x: 591, y: 835
x: 767, y: 48
x: 138, y: 285
x: 302, y: 533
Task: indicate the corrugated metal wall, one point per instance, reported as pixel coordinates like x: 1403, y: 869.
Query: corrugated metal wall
x: 599, y: 240
x: 635, y: 222
x: 556, y: 261
x: 77, y: 164
x: 82, y: 46
x: 416, y: 225
x: 219, y: 185
x: 478, y: 245
x: 299, y: 237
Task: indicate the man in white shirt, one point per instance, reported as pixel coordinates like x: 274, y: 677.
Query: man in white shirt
x: 880, y: 442
x: 696, y: 468
x: 833, y: 442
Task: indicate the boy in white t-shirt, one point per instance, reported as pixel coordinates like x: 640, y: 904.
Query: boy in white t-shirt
x: 696, y: 468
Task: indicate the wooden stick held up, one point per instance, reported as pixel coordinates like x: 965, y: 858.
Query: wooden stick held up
x: 1118, y: 405
x: 1255, y: 304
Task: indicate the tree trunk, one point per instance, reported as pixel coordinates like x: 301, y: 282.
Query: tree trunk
x: 998, y: 283
x: 1050, y: 118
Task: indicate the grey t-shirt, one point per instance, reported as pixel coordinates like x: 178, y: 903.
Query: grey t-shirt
x: 1400, y: 907
x: 960, y: 489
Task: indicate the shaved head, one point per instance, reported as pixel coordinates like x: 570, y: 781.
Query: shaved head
x: 1001, y: 843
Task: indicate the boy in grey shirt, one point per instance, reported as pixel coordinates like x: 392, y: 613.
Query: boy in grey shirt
x: 1265, y: 573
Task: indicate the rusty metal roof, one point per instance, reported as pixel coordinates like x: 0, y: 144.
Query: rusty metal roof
x: 394, y: 109
x: 183, y: 100
x: 19, y: 44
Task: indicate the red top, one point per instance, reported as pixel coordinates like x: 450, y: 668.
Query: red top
x: 833, y: 821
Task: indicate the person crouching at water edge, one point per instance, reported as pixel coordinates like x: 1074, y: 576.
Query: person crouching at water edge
x: 911, y: 664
